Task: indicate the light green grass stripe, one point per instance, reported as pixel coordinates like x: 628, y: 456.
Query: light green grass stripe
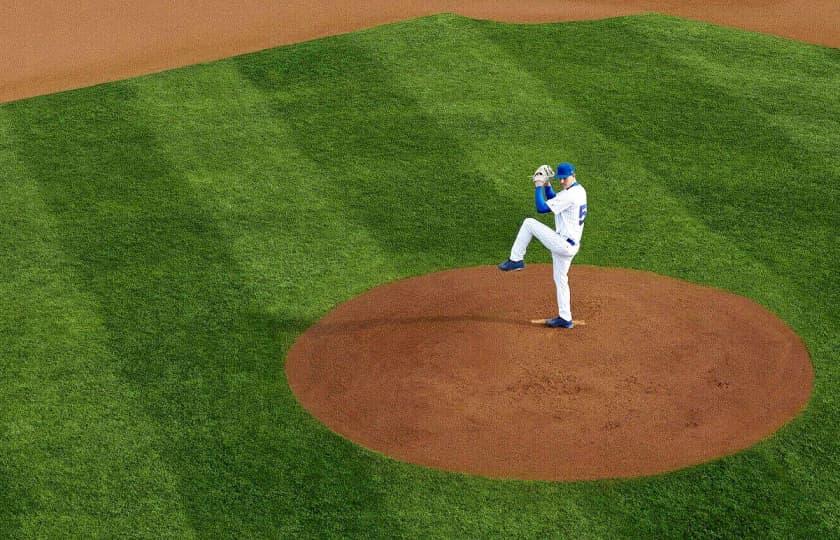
x: 77, y: 454
x: 285, y: 216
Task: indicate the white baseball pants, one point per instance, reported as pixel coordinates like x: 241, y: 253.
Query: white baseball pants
x: 562, y: 254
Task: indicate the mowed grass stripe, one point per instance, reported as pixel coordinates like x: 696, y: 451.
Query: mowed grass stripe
x: 298, y: 255
x: 293, y: 245
x: 214, y: 212
x: 77, y: 457
x: 180, y: 321
x: 386, y: 166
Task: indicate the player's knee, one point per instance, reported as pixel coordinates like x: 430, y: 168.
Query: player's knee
x: 529, y: 222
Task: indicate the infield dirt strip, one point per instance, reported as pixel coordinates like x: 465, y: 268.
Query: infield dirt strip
x: 52, y: 46
x: 446, y: 370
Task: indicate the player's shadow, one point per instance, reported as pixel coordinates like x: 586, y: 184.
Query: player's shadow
x: 367, y: 324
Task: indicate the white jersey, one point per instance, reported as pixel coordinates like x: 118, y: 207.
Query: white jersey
x: 569, y: 207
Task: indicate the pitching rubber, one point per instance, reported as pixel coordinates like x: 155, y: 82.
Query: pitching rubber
x: 543, y: 321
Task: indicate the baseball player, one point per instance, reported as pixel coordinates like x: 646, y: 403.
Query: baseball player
x: 569, y: 207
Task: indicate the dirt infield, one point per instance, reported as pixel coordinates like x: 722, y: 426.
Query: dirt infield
x: 445, y: 370
x: 52, y: 46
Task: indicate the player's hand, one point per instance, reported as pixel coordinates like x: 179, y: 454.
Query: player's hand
x: 545, y: 170
x: 542, y: 176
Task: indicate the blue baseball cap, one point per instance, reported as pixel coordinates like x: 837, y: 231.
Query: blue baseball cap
x: 564, y: 170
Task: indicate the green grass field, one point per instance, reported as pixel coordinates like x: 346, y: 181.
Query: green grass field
x: 166, y: 238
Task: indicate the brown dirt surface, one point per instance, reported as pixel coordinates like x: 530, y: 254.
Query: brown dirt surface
x: 445, y: 370
x: 50, y: 46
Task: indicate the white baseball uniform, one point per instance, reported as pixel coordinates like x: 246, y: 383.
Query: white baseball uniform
x: 569, y: 208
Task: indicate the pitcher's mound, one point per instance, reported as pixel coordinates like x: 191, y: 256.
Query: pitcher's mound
x: 446, y: 370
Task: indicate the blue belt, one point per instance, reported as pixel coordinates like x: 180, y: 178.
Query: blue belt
x: 570, y: 241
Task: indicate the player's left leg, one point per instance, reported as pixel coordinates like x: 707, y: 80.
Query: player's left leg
x: 562, y: 260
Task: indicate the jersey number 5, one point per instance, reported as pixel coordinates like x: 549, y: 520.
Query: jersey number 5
x: 582, y: 216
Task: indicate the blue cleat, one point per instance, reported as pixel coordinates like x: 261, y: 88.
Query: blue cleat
x: 511, y: 266
x: 559, y: 322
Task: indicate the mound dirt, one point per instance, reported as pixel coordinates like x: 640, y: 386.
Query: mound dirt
x: 52, y: 46
x: 446, y: 370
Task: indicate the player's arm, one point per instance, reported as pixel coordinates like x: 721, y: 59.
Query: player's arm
x: 540, y: 200
x: 542, y: 188
x: 559, y: 202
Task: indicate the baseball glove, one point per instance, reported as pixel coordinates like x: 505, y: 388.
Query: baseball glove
x: 543, y: 175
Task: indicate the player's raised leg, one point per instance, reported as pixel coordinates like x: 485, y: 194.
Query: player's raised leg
x: 530, y: 228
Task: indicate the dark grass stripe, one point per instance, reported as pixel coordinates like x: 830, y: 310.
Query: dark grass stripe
x: 76, y: 458
x: 15, y: 500
x: 385, y: 164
